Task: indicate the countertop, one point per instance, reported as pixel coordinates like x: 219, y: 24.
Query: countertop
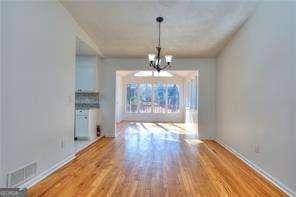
x: 86, y: 105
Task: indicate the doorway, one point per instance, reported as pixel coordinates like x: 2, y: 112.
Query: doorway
x: 86, y: 95
x: 165, y: 97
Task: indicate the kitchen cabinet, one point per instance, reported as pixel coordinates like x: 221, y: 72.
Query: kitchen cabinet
x: 86, y: 74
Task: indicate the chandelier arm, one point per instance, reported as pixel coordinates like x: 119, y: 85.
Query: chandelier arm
x: 165, y: 66
x: 157, y: 67
x: 168, y: 66
x: 160, y: 67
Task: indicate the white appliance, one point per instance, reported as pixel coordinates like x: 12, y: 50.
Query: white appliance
x: 86, y: 121
x: 82, y: 125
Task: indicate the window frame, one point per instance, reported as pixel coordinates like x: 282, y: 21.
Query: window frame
x: 125, y: 100
x: 192, y: 94
x: 166, y: 84
x: 179, y: 99
x: 140, y: 101
x: 165, y: 99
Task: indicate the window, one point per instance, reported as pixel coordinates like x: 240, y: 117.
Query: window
x: 132, y: 98
x: 156, y: 98
x: 173, y: 98
x: 145, y: 98
x: 159, y: 98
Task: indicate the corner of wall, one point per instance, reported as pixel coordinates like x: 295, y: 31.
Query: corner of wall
x: 215, y: 96
x: 81, y: 33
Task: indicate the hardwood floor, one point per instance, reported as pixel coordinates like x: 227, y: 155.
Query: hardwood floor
x: 154, y: 159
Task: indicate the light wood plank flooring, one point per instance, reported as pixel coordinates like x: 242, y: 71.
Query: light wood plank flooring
x: 155, y: 159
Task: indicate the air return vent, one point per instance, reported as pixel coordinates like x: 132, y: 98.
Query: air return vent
x: 21, y: 175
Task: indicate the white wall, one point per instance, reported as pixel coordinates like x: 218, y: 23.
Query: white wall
x: 38, y: 83
x: 207, y: 84
x: 2, y: 181
x: 256, y: 91
x: 191, y: 115
x: 119, y: 98
x: 86, y: 74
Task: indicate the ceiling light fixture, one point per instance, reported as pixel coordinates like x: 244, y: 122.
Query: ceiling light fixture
x: 155, y: 60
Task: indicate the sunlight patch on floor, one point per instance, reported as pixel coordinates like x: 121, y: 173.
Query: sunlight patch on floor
x: 166, y: 131
x: 193, y: 141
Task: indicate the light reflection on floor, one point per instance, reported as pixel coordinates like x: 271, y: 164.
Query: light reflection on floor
x: 169, y: 132
x: 157, y: 142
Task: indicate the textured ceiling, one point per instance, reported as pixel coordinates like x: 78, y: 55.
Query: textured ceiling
x: 190, y: 29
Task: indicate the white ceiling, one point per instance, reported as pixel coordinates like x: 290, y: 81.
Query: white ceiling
x: 190, y: 29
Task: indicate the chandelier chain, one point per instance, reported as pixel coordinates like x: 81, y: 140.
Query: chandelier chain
x: 155, y: 60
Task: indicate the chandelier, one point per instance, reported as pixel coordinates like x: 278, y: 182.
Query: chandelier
x: 155, y: 60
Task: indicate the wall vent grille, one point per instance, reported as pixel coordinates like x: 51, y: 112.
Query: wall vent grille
x: 21, y: 175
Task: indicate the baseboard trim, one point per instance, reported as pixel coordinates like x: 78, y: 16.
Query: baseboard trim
x: 259, y: 170
x: 87, y: 145
x: 47, y: 172
x: 55, y: 167
x: 110, y: 135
